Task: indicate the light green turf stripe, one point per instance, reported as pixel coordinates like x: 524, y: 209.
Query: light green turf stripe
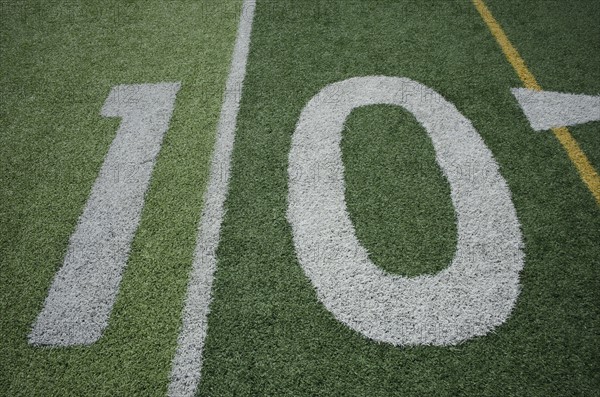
x: 59, y: 64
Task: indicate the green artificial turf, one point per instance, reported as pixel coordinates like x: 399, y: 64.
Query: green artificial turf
x: 59, y: 62
x: 571, y: 47
x: 399, y: 202
x: 269, y: 334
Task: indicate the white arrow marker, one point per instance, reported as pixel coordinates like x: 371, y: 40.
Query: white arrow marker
x: 82, y: 294
x: 546, y: 110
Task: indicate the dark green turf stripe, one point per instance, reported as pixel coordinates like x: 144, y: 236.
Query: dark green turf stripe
x: 561, y: 44
x: 269, y: 335
x: 59, y: 62
x: 398, y: 199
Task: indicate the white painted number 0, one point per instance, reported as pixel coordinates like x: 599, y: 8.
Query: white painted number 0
x: 474, y: 294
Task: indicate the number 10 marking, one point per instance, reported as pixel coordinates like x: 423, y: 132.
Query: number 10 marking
x: 473, y: 295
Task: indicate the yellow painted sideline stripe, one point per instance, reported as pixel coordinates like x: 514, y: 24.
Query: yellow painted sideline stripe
x: 584, y: 167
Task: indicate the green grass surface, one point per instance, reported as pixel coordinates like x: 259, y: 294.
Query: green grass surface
x: 398, y: 201
x: 268, y: 334
x: 560, y: 43
x: 59, y: 62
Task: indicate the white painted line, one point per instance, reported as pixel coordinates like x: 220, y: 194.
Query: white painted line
x: 83, y: 292
x: 546, y: 109
x: 187, y: 363
x: 474, y: 294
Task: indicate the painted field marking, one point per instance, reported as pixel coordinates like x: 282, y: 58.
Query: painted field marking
x: 187, y: 363
x: 578, y: 158
x: 82, y: 294
x: 546, y: 110
x: 473, y: 295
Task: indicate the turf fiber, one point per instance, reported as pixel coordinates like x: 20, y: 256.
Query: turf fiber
x: 268, y: 333
x: 59, y: 62
x: 266, y: 321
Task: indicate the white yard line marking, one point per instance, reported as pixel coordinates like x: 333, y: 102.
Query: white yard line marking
x: 83, y: 292
x: 187, y: 363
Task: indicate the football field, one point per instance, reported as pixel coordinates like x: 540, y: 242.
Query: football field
x: 300, y: 198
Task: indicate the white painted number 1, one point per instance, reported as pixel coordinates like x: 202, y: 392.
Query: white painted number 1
x: 82, y: 294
